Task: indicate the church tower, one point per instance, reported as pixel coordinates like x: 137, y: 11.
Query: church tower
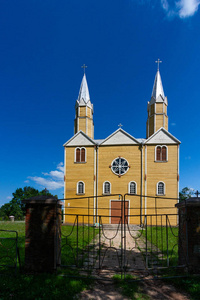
x: 157, y: 107
x: 84, y: 111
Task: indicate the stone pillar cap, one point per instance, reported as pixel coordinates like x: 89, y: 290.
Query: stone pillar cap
x: 42, y: 199
x: 193, y: 201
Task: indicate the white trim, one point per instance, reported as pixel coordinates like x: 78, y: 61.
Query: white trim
x: 78, y: 143
x: 83, y: 188
x: 145, y: 182
x: 64, y: 182
x: 163, y: 188
x: 104, y: 193
x: 178, y: 179
x: 122, y: 131
x: 94, y: 181
x: 110, y: 208
x: 129, y: 191
x: 166, y: 132
x: 161, y: 153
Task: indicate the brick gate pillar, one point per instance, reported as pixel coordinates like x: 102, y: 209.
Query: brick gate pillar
x: 189, y: 233
x: 43, y: 234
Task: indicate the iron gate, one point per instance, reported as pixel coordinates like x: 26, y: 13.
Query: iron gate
x: 142, y: 243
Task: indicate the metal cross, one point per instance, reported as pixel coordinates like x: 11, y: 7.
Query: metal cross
x: 120, y: 125
x: 84, y: 67
x: 158, y: 62
x: 197, y: 193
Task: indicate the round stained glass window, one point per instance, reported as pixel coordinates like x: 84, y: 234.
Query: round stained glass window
x: 119, y: 166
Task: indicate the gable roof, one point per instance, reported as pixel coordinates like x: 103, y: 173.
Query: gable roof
x: 80, y: 139
x: 162, y: 136
x: 120, y: 137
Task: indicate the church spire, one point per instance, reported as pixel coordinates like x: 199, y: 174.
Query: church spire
x: 84, y: 96
x: 84, y: 110
x: 157, y: 107
x: 158, y: 87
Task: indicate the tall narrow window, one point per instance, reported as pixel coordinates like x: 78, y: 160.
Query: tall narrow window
x: 160, y: 188
x: 164, y: 153
x: 80, y: 187
x: 132, y: 187
x: 78, y: 155
x: 82, y: 154
x: 158, y: 153
x: 106, y: 187
x: 161, y: 153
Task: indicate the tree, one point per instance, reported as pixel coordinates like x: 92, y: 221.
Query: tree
x: 15, y: 207
x: 185, y: 193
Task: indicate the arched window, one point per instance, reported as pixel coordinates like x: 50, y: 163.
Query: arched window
x: 80, y: 187
x: 83, y: 155
x: 161, y: 153
x: 164, y: 153
x: 132, y: 187
x: 106, y: 187
x: 160, y: 188
x: 80, y: 155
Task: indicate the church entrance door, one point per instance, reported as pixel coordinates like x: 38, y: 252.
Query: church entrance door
x: 117, y: 211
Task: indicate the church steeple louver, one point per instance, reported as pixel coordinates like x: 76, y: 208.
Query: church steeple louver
x: 157, y: 107
x: 84, y: 110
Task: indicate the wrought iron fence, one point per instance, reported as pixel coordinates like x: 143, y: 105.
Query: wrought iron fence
x: 9, y: 252
x: 103, y: 238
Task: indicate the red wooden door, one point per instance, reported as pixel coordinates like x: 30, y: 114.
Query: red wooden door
x: 116, y: 214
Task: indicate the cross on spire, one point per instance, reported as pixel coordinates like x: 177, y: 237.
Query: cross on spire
x: 158, y: 62
x: 120, y: 125
x: 84, y: 67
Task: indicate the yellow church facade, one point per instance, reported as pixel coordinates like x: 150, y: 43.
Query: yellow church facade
x: 98, y: 173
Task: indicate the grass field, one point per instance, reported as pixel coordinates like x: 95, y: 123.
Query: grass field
x: 56, y: 286
x: 165, y: 240
x: 40, y: 286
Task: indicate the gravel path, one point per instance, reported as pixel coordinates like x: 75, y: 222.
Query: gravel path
x: 110, y: 264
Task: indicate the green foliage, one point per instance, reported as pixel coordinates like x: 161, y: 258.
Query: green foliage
x: 185, y: 193
x: 15, y: 207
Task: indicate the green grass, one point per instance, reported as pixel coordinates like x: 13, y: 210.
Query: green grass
x: 43, y: 286
x: 163, y: 244
x: 190, y: 285
x: 129, y: 288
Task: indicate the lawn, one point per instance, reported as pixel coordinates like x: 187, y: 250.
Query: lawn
x: 42, y: 286
x: 162, y: 246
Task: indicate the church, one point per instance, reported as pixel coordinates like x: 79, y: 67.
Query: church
x: 97, y: 171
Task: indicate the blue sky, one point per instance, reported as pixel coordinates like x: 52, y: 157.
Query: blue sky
x: 43, y: 45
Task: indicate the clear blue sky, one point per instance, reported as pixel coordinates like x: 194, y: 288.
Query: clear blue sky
x: 42, y: 47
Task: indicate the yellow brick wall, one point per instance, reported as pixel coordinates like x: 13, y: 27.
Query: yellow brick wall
x: 151, y: 125
x: 119, y: 185
x: 159, y: 121
x: 75, y: 172
x: 166, y: 172
x: 82, y: 111
x: 82, y: 124
x: 166, y: 122
x: 159, y: 108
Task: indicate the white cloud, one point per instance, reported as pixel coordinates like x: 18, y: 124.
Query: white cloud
x: 173, y: 124
x: 180, y: 8
x: 187, y: 8
x: 54, y: 179
x: 9, y: 197
x: 187, y: 157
